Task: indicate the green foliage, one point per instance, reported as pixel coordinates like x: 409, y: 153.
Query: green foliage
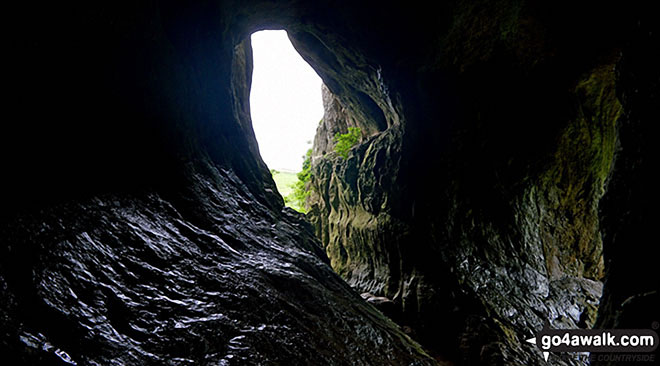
x: 345, y: 141
x: 284, y: 182
x: 298, y: 196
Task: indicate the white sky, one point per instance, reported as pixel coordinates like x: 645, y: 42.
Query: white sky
x: 285, y: 101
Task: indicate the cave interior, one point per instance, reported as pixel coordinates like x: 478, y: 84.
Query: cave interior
x: 503, y: 181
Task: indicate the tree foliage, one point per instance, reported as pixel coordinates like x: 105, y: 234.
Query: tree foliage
x: 300, y: 192
x: 345, y: 141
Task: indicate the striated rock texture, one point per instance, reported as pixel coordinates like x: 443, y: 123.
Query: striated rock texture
x: 335, y: 121
x: 477, y: 210
x: 140, y: 226
x: 218, y: 280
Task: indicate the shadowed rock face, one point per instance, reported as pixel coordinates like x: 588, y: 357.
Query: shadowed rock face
x: 221, y: 280
x: 477, y: 210
x: 631, y: 297
x: 140, y: 225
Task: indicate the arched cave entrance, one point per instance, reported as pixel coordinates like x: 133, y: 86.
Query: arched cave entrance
x: 286, y: 107
x: 140, y: 225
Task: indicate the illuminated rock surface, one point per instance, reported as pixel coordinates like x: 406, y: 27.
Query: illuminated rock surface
x: 504, y: 172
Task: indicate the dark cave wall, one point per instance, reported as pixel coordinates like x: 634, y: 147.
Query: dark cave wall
x: 489, y: 130
x: 477, y: 211
x: 140, y: 226
x: 120, y: 97
x: 631, y: 297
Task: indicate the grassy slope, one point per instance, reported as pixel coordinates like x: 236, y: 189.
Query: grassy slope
x: 284, y: 182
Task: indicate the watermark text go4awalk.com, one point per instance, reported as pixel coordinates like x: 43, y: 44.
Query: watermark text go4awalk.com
x: 595, y: 340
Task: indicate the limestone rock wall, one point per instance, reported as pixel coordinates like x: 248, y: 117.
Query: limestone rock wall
x: 140, y: 226
x: 478, y: 211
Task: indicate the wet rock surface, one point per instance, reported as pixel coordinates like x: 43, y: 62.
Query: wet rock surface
x: 218, y: 281
x: 140, y: 226
x: 493, y: 267
x: 478, y: 213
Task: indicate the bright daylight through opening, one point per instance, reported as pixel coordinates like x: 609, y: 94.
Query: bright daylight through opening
x: 286, y: 107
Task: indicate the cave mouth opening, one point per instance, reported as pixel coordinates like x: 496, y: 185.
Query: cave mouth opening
x: 285, y: 106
